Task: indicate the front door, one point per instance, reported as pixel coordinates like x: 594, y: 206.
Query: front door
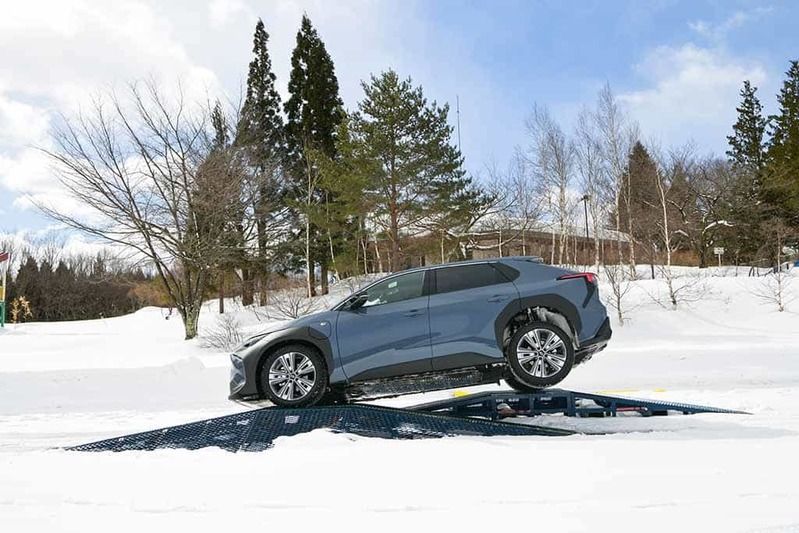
x: 390, y: 334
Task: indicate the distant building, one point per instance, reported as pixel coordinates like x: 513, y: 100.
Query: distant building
x: 494, y: 239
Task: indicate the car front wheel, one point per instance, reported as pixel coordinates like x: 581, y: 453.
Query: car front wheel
x: 540, y: 355
x: 294, y: 376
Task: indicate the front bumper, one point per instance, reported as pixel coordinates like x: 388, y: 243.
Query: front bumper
x: 239, y: 388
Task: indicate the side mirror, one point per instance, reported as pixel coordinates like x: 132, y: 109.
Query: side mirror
x: 356, y: 302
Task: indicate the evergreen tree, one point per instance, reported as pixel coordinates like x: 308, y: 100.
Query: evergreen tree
x: 27, y: 283
x: 220, y: 191
x: 411, y: 141
x: 639, y: 199
x: 314, y: 113
x: 346, y: 177
x: 747, y: 154
x: 747, y: 150
x: 457, y: 203
x: 261, y: 134
x: 782, y: 181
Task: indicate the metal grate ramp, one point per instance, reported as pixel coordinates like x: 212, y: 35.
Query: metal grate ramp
x: 498, y: 405
x: 256, y: 430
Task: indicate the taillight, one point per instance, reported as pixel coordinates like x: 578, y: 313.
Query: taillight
x: 591, y: 283
x: 589, y: 277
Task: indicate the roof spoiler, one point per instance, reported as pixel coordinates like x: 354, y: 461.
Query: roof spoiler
x: 528, y: 258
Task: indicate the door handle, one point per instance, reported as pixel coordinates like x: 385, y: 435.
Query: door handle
x: 498, y: 298
x: 415, y: 312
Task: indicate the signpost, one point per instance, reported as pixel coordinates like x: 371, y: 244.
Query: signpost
x: 4, y: 262
x: 719, y: 251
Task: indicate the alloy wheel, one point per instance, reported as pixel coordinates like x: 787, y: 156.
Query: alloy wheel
x: 541, y: 353
x: 292, y: 376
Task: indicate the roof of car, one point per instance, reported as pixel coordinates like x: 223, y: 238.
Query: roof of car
x: 527, y: 258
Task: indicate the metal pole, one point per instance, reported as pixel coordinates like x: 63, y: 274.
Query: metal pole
x: 585, y: 247
x: 3, y: 302
x: 458, y: 115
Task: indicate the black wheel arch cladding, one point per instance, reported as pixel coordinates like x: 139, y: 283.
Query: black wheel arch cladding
x: 553, y: 302
x: 301, y: 335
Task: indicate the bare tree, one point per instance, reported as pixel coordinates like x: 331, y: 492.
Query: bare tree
x: 593, y: 175
x: 617, y: 134
x: 775, y: 287
x: 551, y: 156
x: 514, y: 209
x: 144, y: 169
x: 618, y: 277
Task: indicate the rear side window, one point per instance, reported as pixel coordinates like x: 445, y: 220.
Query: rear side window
x: 459, y: 278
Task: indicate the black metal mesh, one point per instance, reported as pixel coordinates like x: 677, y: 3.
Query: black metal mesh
x: 256, y: 430
x: 570, y: 403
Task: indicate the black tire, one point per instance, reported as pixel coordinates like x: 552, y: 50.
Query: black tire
x: 538, y: 368
x: 517, y: 385
x: 299, y: 376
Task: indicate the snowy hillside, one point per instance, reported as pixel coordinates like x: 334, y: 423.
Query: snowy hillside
x: 68, y: 383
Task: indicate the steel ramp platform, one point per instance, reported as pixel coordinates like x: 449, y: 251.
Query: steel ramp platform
x: 256, y: 430
x: 498, y: 405
x: 475, y: 414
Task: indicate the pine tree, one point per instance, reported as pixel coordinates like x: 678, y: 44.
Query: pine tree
x: 346, y: 177
x: 261, y: 133
x: 782, y: 181
x: 747, y: 154
x: 411, y: 140
x: 747, y: 149
x: 457, y: 203
x: 314, y: 113
x: 639, y: 199
x: 221, y: 189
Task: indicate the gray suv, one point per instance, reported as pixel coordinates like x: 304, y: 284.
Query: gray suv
x: 430, y: 328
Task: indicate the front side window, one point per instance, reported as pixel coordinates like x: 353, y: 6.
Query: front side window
x: 459, y: 278
x: 396, y: 289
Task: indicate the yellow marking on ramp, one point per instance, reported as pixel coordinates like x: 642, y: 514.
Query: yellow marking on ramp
x: 627, y: 391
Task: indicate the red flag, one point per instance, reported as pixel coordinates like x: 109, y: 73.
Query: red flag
x: 3, y: 256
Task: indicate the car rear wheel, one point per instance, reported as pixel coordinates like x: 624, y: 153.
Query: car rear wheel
x: 294, y: 376
x: 540, y: 355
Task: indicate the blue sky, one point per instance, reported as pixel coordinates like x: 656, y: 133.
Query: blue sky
x: 676, y: 66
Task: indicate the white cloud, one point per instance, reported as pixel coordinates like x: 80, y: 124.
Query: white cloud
x: 55, y: 55
x: 693, y: 93
x: 223, y: 11
x: 720, y: 31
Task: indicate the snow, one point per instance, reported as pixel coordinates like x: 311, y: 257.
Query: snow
x: 70, y: 383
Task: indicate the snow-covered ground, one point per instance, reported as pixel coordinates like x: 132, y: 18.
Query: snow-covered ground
x: 69, y: 383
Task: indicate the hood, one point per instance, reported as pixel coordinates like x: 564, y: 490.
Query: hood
x: 321, y: 321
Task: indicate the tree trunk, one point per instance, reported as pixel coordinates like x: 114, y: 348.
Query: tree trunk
x: 323, y: 279
x: 246, y: 287
x: 222, y: 293
x: 394, y: 256
x: 309, y: 263
x: 191, y: 319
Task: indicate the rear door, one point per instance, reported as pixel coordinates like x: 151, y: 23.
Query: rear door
x: 390, y: 334
x: 465, y: 302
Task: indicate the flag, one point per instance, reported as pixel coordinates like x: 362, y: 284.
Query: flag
x: 3, y: 256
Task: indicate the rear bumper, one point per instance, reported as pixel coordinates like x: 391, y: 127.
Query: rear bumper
x: 595, y: 344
